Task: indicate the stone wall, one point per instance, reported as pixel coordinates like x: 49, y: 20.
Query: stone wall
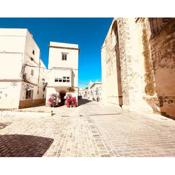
x: 109, y: 68
x: 144, y: 62
x: 162, y: 43
x: 132, y: 64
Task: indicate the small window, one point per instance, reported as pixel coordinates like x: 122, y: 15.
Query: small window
x: 56, y: 79
x: 32, y: 72
x: 43, y: 79
x: 60, y: 80
x: 68, y: 80
x: 31, y: 59
x: 64, y: 56
x: 33, y: 52
x: 29, y: 94
x: 64, y: 80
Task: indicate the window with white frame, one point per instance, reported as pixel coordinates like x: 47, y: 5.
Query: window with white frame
x: 64, y: 79
x: 56, y: 79
x: 68, y: 79
x: 64, y: 56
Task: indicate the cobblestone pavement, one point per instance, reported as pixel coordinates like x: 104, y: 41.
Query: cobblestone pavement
x: 89, y: 130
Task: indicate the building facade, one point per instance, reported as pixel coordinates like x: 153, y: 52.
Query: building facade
x: 138, y: 64
x: 94, y: 91
x: 21, y: 70
x: 62, y: 76
x: 83, y: 92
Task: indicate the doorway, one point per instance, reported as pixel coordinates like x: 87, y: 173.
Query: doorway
x: 62, y: 97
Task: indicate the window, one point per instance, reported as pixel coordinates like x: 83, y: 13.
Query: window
x: 32, y: 72
x: 31, y: 59
x: 64, y: 79
x: 43, y: 79
x: 33, y: 52
x: 68, y: 79
x: 56, y: 79
x: 29, y: 94
x: 64, y: 56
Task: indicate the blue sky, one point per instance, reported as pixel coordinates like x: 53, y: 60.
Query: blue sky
x: 88, y: 33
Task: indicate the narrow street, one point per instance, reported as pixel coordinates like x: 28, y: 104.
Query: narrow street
x: 90, y: 130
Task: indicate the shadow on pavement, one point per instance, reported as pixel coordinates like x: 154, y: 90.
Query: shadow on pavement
x: 83, y: 101
x: 23, y: 145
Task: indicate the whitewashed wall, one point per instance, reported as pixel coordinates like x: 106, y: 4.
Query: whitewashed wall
x: 9, y: 94
x: 16, y: 50
x: 59, y: 68
x: 55, y: 58
x: 59, y: 73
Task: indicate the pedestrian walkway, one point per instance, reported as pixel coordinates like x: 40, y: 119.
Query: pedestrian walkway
x: 91, y: 130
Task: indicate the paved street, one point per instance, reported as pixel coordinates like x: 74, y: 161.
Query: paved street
x: 89, y: 130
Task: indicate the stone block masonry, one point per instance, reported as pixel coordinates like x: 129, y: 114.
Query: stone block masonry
x: 141, y: 52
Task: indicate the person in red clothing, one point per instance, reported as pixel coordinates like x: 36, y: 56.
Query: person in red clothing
x: 68, y: 100
x: 71, y: 100
x: 54, y: 100
x: 74, y: 101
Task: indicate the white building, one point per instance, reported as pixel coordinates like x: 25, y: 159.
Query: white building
x: 83, y: 92
x: 62, y: 77
x: 21, y: 70
x: 94, y: 91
